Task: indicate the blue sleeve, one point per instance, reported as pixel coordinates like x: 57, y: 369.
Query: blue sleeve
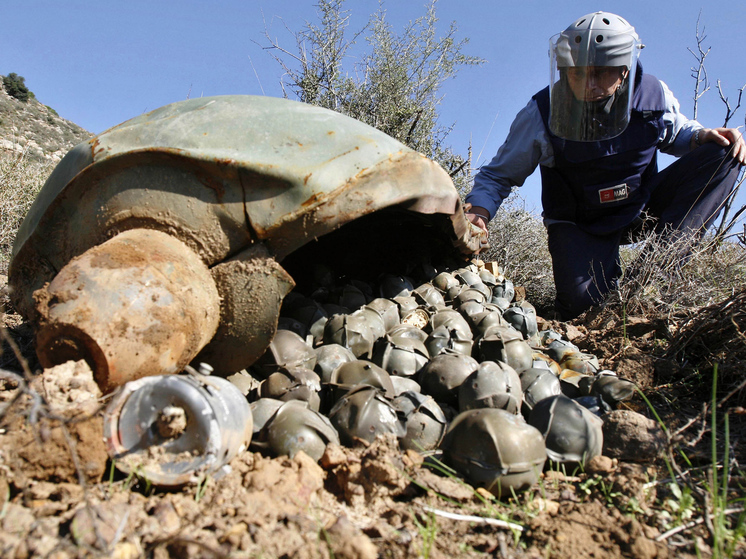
x: 526, y: 147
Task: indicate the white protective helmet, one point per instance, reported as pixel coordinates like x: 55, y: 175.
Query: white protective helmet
x: 593, y: 65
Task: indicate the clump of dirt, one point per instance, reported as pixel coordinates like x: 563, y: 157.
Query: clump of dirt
x: 589, y: 530
x: 171, y: 422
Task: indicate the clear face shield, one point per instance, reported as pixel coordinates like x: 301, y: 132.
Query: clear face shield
x: 591, y: 84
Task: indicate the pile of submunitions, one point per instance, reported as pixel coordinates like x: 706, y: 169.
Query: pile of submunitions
x: 452, y: 367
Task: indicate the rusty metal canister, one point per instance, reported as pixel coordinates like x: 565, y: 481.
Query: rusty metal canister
x: 142, y: 303
x: 175, y: 429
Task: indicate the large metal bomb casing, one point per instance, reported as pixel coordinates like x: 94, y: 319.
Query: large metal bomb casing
x: 242, y: 182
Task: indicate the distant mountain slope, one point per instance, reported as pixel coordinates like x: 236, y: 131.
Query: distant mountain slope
x: 36, y: 129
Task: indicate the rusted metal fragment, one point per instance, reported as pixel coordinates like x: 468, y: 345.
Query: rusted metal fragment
x: 252, y: 286
x: 139, y: 304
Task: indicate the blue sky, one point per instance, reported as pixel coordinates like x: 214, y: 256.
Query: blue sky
x: 101, y: 63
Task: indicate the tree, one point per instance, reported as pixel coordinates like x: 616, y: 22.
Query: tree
x: 15, y: 86
x: 394, y: 87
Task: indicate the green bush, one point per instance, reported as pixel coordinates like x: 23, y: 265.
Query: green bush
x: 15, y: 86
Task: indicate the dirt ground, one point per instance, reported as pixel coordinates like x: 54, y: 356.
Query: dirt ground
x: 62, y: 498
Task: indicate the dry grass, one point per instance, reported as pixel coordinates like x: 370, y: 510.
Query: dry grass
x: 519, y: 245
x: 678, y: 275
x: 20, y: 180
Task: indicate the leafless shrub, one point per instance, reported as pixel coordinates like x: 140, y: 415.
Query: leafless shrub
x: 519, y: 246
x: 699, y: 71
x: 717, y: 334
x: 20, y: 181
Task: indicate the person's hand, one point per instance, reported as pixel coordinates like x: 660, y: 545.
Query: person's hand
x: 477, y: 220
x: 477, y: 215
x: 726, y: 137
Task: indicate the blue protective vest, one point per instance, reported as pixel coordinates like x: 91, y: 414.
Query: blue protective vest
x: 602, y: 186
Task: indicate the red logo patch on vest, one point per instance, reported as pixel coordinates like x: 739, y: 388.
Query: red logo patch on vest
x: 613, y: 193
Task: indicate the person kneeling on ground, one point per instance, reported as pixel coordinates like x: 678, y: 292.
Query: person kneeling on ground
x: 595, y: 133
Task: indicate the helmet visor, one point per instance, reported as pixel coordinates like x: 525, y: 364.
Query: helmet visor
x: 591, y: 86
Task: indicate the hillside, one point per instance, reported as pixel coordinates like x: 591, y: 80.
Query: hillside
x: 36, y: 129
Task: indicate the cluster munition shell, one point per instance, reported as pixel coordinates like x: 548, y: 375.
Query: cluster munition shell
x: 493, y: 385
x: 495, y: 449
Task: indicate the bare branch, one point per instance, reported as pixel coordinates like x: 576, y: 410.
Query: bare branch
x: 728, y: 111
x: 726, y: 224
x: 699, y: 72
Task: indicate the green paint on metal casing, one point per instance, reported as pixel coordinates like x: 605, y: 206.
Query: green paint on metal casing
x: 222, y: 174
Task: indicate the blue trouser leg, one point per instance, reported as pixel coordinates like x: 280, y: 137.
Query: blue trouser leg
x: 687, y: 195
x: 585, y: 267
x: 690, y: 193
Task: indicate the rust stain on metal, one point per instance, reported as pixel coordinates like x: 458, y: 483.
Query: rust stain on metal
x: 214, y: 185
x: 139, y: 304
x: 96, y: 148
x: 313, y: 200
x: 356, y: 148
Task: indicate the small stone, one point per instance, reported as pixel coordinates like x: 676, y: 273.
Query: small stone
x: 346, y: 540
x: 102, y: 520
x: 234, y: 534
x: 569, y: 495
x: 632, y: 437
x: 554, y: 475
x: 601, y: 465
x: 651, y: 532
x: 447, y: 487
x: 573, y: 332
x: 17, y: 519
x: 413, y: 458
x: 485, y: 494
x: 126, y: 550
x: 545, y: 505
x: 643, y: 548
x: 167, y: 517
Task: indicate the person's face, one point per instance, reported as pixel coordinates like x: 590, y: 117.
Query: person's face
x: 593, y: 83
